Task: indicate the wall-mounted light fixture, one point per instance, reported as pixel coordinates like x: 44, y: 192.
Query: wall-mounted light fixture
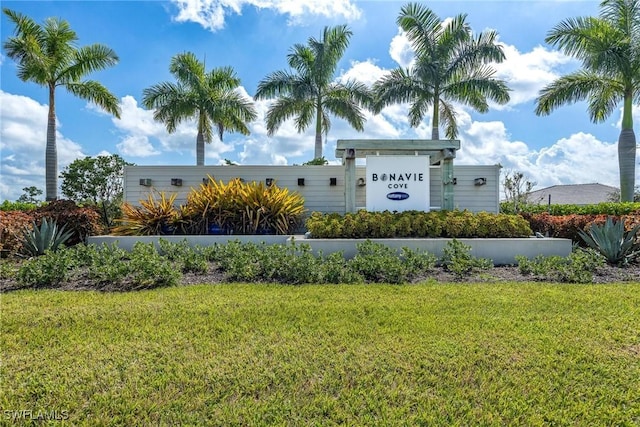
x: 333, y: 181
x: 269, y: 182
x: 361, y: 182
x: 479, y: 181
x: 350, y: 153
x: 176, y: 181
x: 145, y: 181
x: 301, y: 182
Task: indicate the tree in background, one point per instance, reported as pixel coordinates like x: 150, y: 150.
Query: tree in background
x: 451, y: 65
x: 517, y: 191
x: 614, y: 196
x: 609, y: 48
x: 309, y: 94
x: 47, y: 55
x: 97, y: 181
x: 211, y: 98
x: 30, y: 195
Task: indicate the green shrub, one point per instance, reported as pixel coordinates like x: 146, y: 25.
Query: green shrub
x: 150, y: 270
x: 8, y: 269
x: 7, y: 206
x: 336, y: 269
x: 48, y: 270
x: 418, y: 261
x: 190, y: 259
x: 46, y: 237
x: 106, y: 265
x: 612, y: 241
x: 291, y: 263
x: 578, y: 267
x: 457, y: 258
x: 240, y: 262
x: 365, y: 225
x: 376, y: 262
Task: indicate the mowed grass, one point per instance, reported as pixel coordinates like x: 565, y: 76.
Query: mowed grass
x: 432, y: 354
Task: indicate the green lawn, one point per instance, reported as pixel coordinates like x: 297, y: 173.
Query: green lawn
x: 487, y: 354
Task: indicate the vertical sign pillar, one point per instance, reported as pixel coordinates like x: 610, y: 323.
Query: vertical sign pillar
x: 447, y: 179
x: 350, y: 180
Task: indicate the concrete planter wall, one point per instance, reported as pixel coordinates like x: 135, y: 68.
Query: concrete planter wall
x: 501, y: 251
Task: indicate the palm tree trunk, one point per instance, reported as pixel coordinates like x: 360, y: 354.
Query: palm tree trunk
x: 51, y: 152
x: 627, y: 164
x: 435, y: 124
x: 318, y: 146
x: 627, y: 151
x: 200, y: 148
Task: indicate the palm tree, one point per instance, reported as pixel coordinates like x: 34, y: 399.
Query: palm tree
x: 309, y: 93
x: 211, y: 98
x: 609, y: 48
x: 450, y: 66
x: 47, y: 55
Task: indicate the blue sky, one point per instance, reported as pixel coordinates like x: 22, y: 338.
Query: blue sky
x: 254, y: 37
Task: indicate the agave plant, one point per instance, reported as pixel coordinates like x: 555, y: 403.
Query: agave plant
x: 611, y: 240
x: 48, y: 236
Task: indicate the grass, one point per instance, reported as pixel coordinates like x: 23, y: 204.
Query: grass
x: 432, y: 354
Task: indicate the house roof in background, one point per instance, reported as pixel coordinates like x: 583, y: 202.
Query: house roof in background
x: 575, y: 194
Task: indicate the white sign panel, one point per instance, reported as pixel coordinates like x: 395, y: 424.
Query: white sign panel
x: 398, y: 183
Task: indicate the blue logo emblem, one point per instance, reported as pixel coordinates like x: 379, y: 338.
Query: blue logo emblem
x: 397, y: 195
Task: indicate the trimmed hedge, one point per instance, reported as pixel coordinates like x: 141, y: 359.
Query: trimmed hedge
x: 363, y: 225
x: 606, y: 208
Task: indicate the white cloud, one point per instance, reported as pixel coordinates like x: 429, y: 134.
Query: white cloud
x: 140, y: 131
x: 567, y: 161
x: 527, y: 73
x: 400, y: 49
x: 211, y: 14
x: 366, y: 72
x: 22, y: 143
x: 136, y: 146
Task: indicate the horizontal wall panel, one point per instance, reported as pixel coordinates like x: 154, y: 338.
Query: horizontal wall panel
x: 319, y: 195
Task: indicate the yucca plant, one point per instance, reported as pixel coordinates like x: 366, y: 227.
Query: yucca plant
x: 612, y: 241
x: 151, y: 218
x: 48, y: 236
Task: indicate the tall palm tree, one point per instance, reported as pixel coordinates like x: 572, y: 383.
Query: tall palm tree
x: 609, y: 48
x: 209, y: 97
x: 308, y: 91
x: 47, y: 55
x: 450, y: 66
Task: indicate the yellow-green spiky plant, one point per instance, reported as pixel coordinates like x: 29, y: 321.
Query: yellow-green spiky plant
x: 151, y: 217
x: 245, y: 208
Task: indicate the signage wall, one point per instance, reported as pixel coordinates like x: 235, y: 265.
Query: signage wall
x: 397, y: 183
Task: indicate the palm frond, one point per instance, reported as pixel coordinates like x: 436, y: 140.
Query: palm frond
x: 275, y: 84
x: 574, y: 87
x: 448, y: 119
x: 96, y: 93
x: 187, y: 70
x: 88, y: 59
